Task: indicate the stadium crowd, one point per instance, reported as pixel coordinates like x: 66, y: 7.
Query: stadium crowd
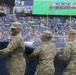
x: 34, y: 26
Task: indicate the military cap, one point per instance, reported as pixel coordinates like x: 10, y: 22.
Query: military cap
x: 72, y: 31
x: 16, y: 25
x: 47, y: 33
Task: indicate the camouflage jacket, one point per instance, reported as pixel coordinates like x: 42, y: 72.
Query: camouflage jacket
x: 69, y: 55
x: 14, y: 52
x: 45, y: 54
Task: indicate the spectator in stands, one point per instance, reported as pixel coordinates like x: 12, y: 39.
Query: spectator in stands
x: 28, y: 35
x: 16, y: 62
x: 69, y: 54
x: 45, y: 54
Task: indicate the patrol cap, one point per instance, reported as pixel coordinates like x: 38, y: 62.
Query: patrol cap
x: 72, y: 31
x: 47, y: 33
x: 16, y: 25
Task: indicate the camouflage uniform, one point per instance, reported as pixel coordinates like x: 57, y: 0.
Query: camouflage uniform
x: 45, y: 54
x: 69, y: 55
x: 16, y: 62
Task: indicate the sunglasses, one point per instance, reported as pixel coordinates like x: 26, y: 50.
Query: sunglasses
x: 13, y: 29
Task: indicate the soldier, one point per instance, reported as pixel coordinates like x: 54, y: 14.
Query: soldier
x: 45, y: 54
x: 69, y: 54
x: 16, y: 62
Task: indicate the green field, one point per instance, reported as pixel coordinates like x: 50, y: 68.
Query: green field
x: 43, y: 7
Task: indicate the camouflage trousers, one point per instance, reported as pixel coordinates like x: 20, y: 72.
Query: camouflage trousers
x: 70, y: 72
x: 44, y: 72
x: 17, y: 72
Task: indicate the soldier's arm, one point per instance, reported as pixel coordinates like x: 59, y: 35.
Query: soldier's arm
x: 66, y: 52
x: 36, y: 52
x: 10, y: 48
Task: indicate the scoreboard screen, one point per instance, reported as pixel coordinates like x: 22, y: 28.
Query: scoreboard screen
x: 54, y: 7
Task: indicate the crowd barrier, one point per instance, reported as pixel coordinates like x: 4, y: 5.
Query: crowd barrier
x: 31, y: 64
